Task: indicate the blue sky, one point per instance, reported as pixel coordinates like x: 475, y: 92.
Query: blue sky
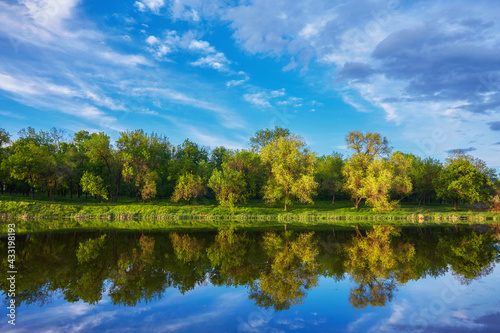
x: 426, y: 74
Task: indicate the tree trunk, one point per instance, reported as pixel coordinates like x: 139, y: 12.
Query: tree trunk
x: 118, y: 180
x: 285, y: 205
x: 357, y: 201
x: 333, y: 199
x: 455, y: 205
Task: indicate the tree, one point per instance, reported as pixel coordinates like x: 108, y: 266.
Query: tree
x: 371, y: 145
x: 422, y: 174
x: 264, y: 137
x: 94, y: 185
x: 329, y: 174
x: 462, y: 181
x: 217, y: 156
x: 365, y: 172
x: 292, y: 169
x: 229, y: 186
x: 4, y: 173
x: 401, y: 181
x: 188, y: 186
x: 142, y: 155
x: 30, y: 162
x: 239, y: 177
x: 188, y: 157
x: 250, y: 165
x: 100, y: 153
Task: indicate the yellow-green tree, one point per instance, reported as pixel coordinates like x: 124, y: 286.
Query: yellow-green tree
x: 188, y: 186
x: 371, y: 175
x: 292, y: 168
x: 229, y: 186
x: 378, y: 266
x: 291, y: 269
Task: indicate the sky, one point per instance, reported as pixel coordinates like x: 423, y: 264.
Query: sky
x: 425, y: 74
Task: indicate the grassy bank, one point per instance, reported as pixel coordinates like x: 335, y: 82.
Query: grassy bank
x: 127, y: 209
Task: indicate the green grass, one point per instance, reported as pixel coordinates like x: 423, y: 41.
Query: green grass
x: 162, y: 209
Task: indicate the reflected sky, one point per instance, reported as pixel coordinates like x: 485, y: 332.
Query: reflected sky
x: 426, y: 305
x: 431, y: 293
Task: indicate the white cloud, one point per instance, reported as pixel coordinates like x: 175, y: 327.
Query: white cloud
x: 153, y: 5
x: 234, y: 83
x: 151, y: 40
x: 125, y: 59
x: 200, y: 45
x: 259, y: 99
x: 216, y: 61
x: 140, y: 6
x: 189, y: 43
x: 50, y: 14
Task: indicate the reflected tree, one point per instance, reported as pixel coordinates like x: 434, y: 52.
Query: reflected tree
x: 290, y: 270
x: 378, y: 266
x: 470, y: 255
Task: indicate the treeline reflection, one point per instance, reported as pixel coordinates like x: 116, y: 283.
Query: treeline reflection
x: 277, y: 267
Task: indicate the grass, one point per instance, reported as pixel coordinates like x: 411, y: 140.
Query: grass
x: 208, y: 210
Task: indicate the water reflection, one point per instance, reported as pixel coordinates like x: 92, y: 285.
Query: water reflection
x: 277, y: 268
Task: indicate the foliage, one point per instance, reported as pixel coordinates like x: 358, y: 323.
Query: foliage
x: 188, y: 187
x: 94, y: 185
x: 229, y: 186
x: 263, y: 137
x: 329, y: 174
x: 291, y: 269
x: 423, y: 173
x: 277, y: 168
x: 461, y: 180
x: 371, y: 177
x: 90, y: 249
x: 292, y: 170
x: 142, y: 155
x: 378, y: 266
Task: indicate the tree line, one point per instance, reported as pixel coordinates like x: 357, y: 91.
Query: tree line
x: 277, y: 167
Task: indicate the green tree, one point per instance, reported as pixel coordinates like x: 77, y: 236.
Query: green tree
x: 401, y: 180
x: 423, y: 173
x: 30, y: 162
x: 462, y: 181
x: 250, y: 165
x: 94, y: 185
x: 471, y: 255
x: 329, y: 174
x: 142, y: 155
x: 292, y: 169
x: 188, y: 186
x: 187, y: 158
x: 263, y: 137
x: 217, y: 156
x: 101, y: 155
x: 229, y: 186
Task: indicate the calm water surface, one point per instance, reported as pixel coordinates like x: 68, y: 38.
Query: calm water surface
x: 381, y: 279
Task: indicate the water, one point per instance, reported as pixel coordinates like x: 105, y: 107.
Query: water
x: 382, y: 279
